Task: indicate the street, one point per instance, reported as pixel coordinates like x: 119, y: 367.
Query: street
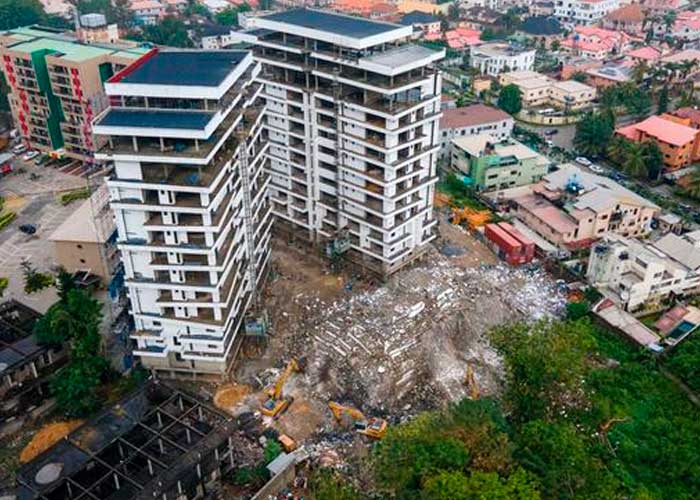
x: 35, y: 202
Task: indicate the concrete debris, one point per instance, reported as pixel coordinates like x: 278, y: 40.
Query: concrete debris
x: 409, y: 340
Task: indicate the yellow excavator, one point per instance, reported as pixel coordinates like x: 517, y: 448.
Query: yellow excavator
x: 373, y: 427
x: 470, y: 382
x: 276, y: 403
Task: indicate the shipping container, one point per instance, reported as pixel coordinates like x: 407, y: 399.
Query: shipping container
x: 528, y: 246
x: 506, y: 243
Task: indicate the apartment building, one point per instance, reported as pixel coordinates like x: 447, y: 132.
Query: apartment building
x: 184, y: 134
x: 597, y: 43
x: 572, y: 208
x: 56, y: 86
x: 633, y: 273
x: 678, y: 141
x: 352, y: 115
x: 490, y: 163
x: 576, y: 12
x: 496, y: 58
x: 473, y: 120
x: 539, y: 90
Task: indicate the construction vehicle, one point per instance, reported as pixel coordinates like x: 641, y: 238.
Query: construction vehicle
x: 373, y: 427
x: 473, y: 218
x: 276, y: 403
x: 470, y: 382
x: 288, y: 443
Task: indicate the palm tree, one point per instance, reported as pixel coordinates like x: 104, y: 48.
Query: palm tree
x: 617, y: 149
x: 693, y: 187
x: 635, y: 164
x: 669, y: 20
x: 639, y: 71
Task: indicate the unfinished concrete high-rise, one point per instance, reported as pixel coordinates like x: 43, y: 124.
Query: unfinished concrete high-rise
x: 352, y: 114
x: 184, y: 134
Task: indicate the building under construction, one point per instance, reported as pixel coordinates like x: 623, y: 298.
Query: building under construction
x: 157, y: 443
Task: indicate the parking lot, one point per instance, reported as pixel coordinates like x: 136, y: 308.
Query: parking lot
x: 35, y: 199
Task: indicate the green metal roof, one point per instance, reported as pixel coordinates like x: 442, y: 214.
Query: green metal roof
x: 30, y: 39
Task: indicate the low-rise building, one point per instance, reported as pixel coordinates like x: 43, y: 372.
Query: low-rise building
x: 596, y: 43
x: 634, y: 273
x: 463, y: 38
x: 25, y: 365
x: 86, y: 240
x: 428, y: 24
x: 215, y: 36
x: 490, y: 163
x: 679, y: 143
x: 147, y: 12
x: 608, y: 75
x: 685, y: 28
x: 577, y: 12
x: 628, y: 18
x: 540, y: 90
x: 572, y: 208
x: 473, y: 120
x: 496, y: 58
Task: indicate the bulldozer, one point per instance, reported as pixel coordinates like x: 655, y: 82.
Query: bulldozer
x: 473, y: 218
x: 470, y: 382
x: 277, y: 403
x: 373, y: 427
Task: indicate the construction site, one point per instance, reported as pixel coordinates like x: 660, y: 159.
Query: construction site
x: 381, y: 351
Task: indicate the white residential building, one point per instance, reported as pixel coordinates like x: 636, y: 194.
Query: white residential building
x: 540, y: 90
x: 632, y: 273
x: 473, y: 120
x: 353, y: 113
x: 576, y: 12
x: 496, y: 58
x: 184, y: 135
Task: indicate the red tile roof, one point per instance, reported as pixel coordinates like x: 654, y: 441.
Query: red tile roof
x: 662, y: 130
x: 475, y: 114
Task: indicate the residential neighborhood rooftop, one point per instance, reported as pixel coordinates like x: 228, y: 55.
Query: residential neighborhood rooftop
x: 471, y: 115
x: 143, y: 118
x: 330, y: 22
x: 664, y: 130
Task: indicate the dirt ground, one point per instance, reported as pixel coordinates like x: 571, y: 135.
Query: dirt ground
x: 389, y: 349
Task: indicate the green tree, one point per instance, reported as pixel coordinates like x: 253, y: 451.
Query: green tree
x: 653, y: 160
x: 545, y: 363
x: 480, y: 485
x: 65, y: 282
x: 325, y: 484
x: 580, y: 76
x: 171, y: 31
x: 15, y: 13
x: 272, y: 450
x: 634, y: 163
x: 617, y: 149
x: 34, y: 281
x: 229, y: 16
x: 555, y: 45
x: 510, y: 99
x: 75, y: 386
x: 593, y: 134
x: 662, y: 106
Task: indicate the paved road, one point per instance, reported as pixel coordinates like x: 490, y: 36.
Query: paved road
x: 35, y: 202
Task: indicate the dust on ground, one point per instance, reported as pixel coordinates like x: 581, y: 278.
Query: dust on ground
x: 46, y: 437
x: 396, y: 348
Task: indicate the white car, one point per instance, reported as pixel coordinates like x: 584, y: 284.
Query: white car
x: 596, y: 169
x: 19, y: 149
x: 583, y: 161
x: 30, y: 155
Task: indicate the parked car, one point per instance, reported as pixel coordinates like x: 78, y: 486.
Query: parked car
x: 551, y: 131
x: 28, y: 228
x: 549, y: 144
x: 19, y: 149
x: 41, y: 159
x: 30, y: 155
x: 596, y: 168
x: 583, y: 161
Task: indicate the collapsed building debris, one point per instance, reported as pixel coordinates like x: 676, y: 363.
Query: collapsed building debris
x: 405, y: 346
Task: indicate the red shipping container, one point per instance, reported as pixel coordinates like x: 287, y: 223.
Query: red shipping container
x: 528, y: 252
x: 506, y: 243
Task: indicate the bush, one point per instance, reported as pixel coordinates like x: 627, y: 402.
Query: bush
x: 272, y: 450
x: 6, y: 218
x: 77, y: 194
x: 4, y: 282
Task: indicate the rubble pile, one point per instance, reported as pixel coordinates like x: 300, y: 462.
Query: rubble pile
x: 405, y: 346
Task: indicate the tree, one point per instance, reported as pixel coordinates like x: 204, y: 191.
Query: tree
x: 481, y: 485
x: 593, y: 133
x: 229, y: 16
x: 34, y: 281
x: 692, y: 188
x: 640, y: 71
x: 326, y: 483
x: 510, y: 99
x: 15, y: 13
x: 669, y: 19
x: 579, y: 76
x: 116, y: 11
x: 634, y: 163
x: 65, y: 282
x: 75, y: 386
x: 617, y: 149
x: 170, y: 31
x: 662, y: 105
x: 453, y: 12
x: 653, y: 160
x: 555, y: 45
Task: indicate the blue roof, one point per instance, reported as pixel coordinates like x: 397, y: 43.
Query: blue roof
x: 190, y: 120
x: 418, y: 17
x: 329, y: 22
x: 201, y: 68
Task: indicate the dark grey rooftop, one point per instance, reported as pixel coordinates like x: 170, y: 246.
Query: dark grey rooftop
x: 142, y: 118
x: 340, y: 24
x: 194, y: 68
x: 17, y: 342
